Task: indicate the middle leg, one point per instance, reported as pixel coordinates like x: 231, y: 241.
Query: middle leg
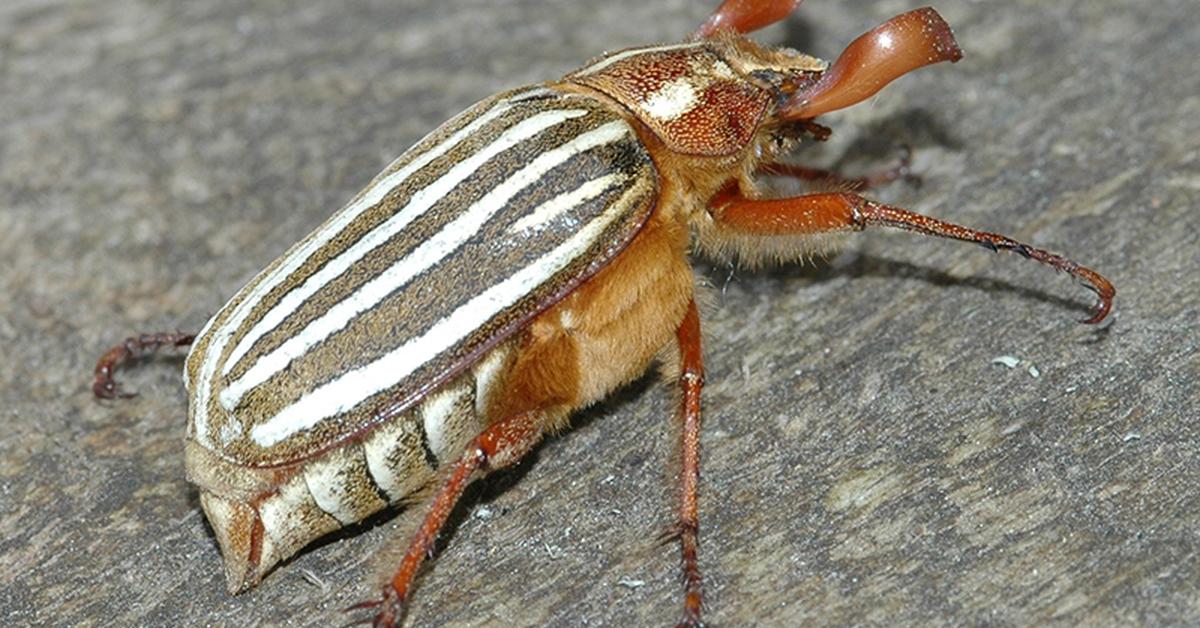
x: 874, y: 179
x: 691, y: 380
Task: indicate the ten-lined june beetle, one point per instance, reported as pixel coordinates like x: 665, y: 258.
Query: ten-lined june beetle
x: 517, y: 264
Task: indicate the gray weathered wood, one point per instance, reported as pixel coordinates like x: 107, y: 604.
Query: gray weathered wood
x: 865, y: 460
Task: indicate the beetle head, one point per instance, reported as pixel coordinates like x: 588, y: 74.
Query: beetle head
x: 693, y: 100
x: 881, y: 55
x: 709, y: 97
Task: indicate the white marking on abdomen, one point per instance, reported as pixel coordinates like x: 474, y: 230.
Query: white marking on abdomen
x: 327, y: 486
x: 429, y: 253
x: 291, y: 516
x: 394, y: 457
x: 487, y: 375
x: 437, y: 414
x: 353, y: 387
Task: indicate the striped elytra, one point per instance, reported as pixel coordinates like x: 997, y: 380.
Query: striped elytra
x: 312, y: 350
x: 519, y: 263
x: 342, y: 372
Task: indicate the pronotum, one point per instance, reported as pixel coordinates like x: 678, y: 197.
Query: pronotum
x: 518, y: 263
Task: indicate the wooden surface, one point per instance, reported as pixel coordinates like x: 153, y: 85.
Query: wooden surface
x: 865, y: 460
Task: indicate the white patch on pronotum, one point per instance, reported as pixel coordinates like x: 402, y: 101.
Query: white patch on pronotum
x: 353, y: 387
x: 429, y: 253
x: 672, y: 100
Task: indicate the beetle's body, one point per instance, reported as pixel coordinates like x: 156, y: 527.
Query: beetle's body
x: 286, y: 430
x: 517, y: 264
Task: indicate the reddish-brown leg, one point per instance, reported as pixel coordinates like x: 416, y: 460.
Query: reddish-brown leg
x: 902, y: 170
x: 501, y: 445
x: 133, y: 348
x: 691, y: 380
x: 817, y: 213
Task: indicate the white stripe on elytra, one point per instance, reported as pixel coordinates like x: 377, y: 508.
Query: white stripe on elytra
x: 353, y: 387
x: 425, y: 256
x: 319, y: 238
x: 547, y: 212
x: 420, y: 201
x: 607, y: 61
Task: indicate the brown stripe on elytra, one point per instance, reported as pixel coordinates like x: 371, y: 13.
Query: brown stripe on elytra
x: 445, y: 210
x: 365, y: 221
x: 396, y: 399
x: 368, y: 220
x: 412, y: 310
x: 460, y: 276
x: 193, y: 363
x: 218, y: 322
x: 537, y: 301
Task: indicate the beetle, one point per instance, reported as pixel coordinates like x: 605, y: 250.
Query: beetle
x: 521, y: 262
